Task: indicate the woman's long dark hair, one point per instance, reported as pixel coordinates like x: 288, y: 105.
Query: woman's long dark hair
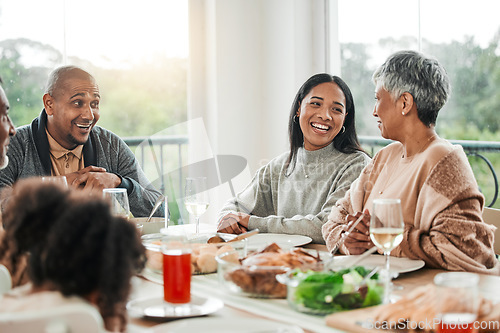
x: 345, y: 141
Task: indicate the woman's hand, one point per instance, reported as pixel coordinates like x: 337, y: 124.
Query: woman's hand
x: 359, y: 240
x: 234, y: 223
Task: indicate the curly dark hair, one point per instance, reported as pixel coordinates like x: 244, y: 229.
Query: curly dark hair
x: 74, y: 243
x: 29, y: 213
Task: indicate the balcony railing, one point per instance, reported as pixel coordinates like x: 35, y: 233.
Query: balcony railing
x: 143, y: 148
x: 471, y: 148
x: 372, y: 144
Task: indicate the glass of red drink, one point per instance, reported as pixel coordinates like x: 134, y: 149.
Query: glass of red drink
x: 457, y: 302
x: 176, y: 269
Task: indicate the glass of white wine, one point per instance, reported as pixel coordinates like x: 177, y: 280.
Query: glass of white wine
x: 386, y: 232
x: 118, y: 200
x: 196, y: 198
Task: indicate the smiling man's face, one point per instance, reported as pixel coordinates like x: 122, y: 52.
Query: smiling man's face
x: 73, y: 108
x: 6, y: 128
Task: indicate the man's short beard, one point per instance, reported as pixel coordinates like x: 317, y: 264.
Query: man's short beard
x: 72, y: 139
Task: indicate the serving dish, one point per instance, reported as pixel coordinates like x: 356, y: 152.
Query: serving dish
x: 324, y: 292
x: 202, y: 255
x: 152, y: 227
x: 255, y: 274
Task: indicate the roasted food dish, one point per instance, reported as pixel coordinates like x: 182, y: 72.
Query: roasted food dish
x: 255, y: 275
x: 419, y: 306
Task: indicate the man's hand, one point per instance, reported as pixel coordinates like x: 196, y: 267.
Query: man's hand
x: 234, y: 223
x: 93, y: 179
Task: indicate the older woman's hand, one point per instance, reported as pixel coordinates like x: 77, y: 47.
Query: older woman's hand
x: 234, y: 223
x: 359, y: 240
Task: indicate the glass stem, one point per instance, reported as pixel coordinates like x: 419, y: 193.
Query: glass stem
x: 197, y: 225
x: 387, y: 279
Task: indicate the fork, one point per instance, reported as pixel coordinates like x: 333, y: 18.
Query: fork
x: 345, y: 235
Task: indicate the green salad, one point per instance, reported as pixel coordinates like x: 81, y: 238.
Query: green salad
x: 326, y: 292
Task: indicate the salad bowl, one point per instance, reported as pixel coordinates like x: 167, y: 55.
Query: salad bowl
x: 325, y: 292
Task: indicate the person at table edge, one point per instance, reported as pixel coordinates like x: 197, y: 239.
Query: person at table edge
x: 7, y: 129
x: 441, y: 202
x: 64, y: 140
x: 294, y: 192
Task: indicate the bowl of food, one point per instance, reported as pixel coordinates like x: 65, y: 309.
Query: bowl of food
x: 151, y: 227
x: 255, y: 275
x: 324, y: 292
x: 202, y: 254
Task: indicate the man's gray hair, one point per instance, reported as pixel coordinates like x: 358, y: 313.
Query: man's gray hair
x: 421, y: 76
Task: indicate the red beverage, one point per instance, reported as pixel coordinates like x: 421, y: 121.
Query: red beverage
x: 457, y: 323
x: 177, y: 276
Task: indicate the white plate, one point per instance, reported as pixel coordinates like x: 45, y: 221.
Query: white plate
x: 151, y: 241
x: 398, y: 265
x: 283, y: 240
x: 225, y: 325
x: 156, y: 308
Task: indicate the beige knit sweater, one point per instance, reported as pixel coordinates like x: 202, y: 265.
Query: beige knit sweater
x: 441, y: 202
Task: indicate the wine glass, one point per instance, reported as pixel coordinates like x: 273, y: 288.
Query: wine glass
x: 457, y: 302
x: 386, y: 232
x: 118, y: 200
x: 196, y: 198
x: 56, y: 180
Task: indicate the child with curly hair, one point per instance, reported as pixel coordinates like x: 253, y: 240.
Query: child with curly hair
x: 74, y: 249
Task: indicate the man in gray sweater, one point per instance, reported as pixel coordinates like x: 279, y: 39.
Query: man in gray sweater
x: 64, y: 140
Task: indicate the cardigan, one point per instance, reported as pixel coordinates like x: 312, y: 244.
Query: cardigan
x: 297, y: 201
x: 29, y: 156
x: 441, y: 203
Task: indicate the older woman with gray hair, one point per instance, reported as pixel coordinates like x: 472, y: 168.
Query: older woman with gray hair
x: 440, y: 199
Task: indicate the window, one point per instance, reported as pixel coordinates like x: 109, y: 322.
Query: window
x: 457, y: 36
x: 137, y: 53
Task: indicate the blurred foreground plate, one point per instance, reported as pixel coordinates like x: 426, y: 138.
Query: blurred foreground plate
x: 155, y: 307
x: 398, y: 265
x: 225, y: 325
x: 285, y: 241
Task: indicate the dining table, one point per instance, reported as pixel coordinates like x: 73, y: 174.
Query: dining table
x: 238, y: 307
